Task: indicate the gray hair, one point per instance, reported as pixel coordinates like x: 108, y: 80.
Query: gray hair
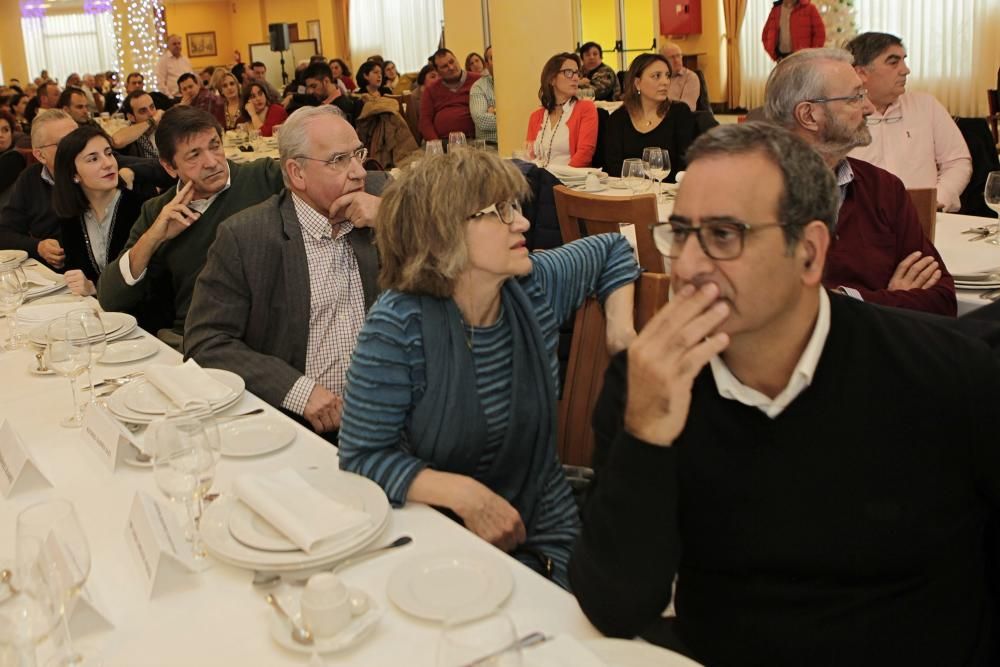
x: 810, y: 188
x: 293, y: 139
x: 796, y: 79
x: 43, y: 119
x: 868, y: 46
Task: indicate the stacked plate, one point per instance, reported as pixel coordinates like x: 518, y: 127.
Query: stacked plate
x: 985, y: 280
x: 116, y: 325
x: 139, y: 402
x: 237, y: 535
x: 11, y: 258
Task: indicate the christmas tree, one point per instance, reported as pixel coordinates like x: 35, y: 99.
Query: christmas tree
x: 838, y: 17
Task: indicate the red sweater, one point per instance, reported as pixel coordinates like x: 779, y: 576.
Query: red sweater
x: 276, y: 115
x: 443, y: 110
x: 582, y: 131
x: 877, y: 228
x: 808, y: 31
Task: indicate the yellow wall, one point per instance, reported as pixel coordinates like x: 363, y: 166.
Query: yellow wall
x: 597, y: 19
x: 710, y: 42
x: 518, y: 59
x: 15, y: 64
x: 463, y: 28
x: 187, y: 17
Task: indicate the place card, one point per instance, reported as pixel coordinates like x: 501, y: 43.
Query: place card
x: 19, y: 472
x: 157, y: 542
x: 107, y: 437
x: 84, y: 613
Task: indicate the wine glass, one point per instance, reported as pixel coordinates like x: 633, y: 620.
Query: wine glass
x: 657, y: 163
x: 68, y: 354
x: 184, y: 461
x: 93, y: 328
x: 52, y: 552
x: 992, y: 196
x: 13, y: 287
x: 489, y: 640
x: 434, y: 147
x: 456, y: 140
x: 634, y: 174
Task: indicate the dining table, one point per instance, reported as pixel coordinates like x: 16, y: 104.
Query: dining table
x: 217, y: 616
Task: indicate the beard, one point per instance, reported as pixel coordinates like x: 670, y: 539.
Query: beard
x: 839, y: 137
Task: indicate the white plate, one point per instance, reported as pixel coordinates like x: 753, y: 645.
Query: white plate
x: 440, y: 586
x: 116, y: 325
x: 979, y: 284
x: 356, y: 630
x: 142, y: 397
x: 13, y: 257
x: 221, y: 543
x: 632, y: 653
x: 255, y: 436
x: 116, y: 405
x: 128, y: 350
x: 255, y: 531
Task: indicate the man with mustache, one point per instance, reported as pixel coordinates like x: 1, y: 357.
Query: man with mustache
x: 287, y: 283
x: 913, y: 135
x: 166, y: 250
x: 879, y: 252
x: 815, y: 474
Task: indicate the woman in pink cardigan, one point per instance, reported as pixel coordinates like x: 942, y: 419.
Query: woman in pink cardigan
x: 564, y: 130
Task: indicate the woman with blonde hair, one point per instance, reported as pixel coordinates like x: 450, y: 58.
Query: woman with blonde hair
x: 451, y: 393
x: 229, y: 89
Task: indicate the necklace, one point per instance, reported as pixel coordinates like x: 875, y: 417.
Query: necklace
x: 552, y: 137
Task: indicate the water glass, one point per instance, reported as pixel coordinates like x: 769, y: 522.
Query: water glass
x: 657, y: 162
x: 478, y: 144
x: 53, y: 554
x: 13, y: 288
x: 67, y: 352
x: 456, y: 140
x: 434, y: 147
x: 253, y: 138
x: 634, y: 175
x: 93, y: 329
x: 466, y: 640
x: 991, y: 194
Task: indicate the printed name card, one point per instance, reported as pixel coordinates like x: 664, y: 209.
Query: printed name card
x: 19, y: 472
x: 107, y: 437
x: 157, y: 542
x: 84, y: 613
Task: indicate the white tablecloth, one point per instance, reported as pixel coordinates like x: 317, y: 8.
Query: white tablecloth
x: 222, y: 620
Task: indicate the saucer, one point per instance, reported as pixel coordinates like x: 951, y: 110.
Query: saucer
x: 350, y: 636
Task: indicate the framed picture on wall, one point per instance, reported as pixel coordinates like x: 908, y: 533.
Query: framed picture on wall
x: 312, y: 27
x: 201, y: 44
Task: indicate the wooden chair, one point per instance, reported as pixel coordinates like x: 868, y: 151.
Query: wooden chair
x: 588, y: 360
x: 581, y: 214
x: 993, y: 99
x: 925, y: 201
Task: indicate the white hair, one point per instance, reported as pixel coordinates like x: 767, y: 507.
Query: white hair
x: 798, y: 78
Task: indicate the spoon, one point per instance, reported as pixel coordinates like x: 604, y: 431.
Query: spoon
x: 299, y: 634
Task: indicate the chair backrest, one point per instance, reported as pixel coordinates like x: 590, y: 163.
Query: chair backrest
x: 993, y: 100
x: 983, y: 150
x: 581, y: 214
x: 587, y: 363
x: 602, y: 124
x: 925, y: 201
x: 703, y: 102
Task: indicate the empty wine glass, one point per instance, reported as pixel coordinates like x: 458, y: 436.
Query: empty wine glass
x: 13, y: 287
x: 657, y: 163
x: 68, y: 354
x: 52, y: 551
x: 634, y: 174
x: 992, y: 196
x: 456, y: 140
x: 184, y: 466
x: 434, y: 147
x: 93, y: 329
x: 484, y: 640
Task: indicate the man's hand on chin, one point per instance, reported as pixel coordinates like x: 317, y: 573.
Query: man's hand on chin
x: 359, y: 208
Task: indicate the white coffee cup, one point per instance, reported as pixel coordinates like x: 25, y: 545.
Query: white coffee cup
x: 593, y: 183
x: 326, y: 605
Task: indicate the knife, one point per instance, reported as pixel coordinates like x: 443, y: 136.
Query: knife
x: 523, y: 642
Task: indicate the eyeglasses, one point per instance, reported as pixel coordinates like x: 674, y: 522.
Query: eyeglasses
x: 570, y: 73
x: 855, y: 99
x: 888, y: 120
x: 719, y: 239
x: 506, y: 211
x: 341, y: 161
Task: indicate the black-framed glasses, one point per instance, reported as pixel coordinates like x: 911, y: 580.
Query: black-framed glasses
x: 570, y: 73
x: 341, y: 161
x: 506, y: 211
x: 888, y: 120
x: 719, y: 239
x: 855, y: 99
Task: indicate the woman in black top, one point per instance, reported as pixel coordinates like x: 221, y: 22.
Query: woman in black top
x: 12, y: 163
x: 647, y: 118
x: 95, y: 208
x: 370, y: 80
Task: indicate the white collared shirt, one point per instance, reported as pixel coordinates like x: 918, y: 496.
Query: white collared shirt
x: 552, y: 144
x: 99, y: 231
x: 731, y: 388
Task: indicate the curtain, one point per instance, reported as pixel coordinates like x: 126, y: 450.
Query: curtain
x: 67, y: 43
x: 755, y: 64
x: 734, y: 11
x: 404, y: 31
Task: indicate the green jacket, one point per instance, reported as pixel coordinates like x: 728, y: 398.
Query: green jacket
x: 164, y: 293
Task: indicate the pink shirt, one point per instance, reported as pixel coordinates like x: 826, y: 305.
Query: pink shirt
x: 925, y: 149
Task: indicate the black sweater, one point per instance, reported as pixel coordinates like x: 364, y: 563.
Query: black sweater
x: 849, y: 530
x: 675, y: 133
x: 76, y: 242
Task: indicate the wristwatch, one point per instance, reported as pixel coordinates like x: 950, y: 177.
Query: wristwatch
x: 152, y: 123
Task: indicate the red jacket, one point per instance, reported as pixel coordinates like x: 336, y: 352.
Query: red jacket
x: 808, y: 31
x: 582, y: 131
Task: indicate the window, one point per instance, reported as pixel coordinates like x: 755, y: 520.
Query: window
x: 406, y: 32
x: 67, y: 43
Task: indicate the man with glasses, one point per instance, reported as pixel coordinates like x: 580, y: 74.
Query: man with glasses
x: 880, y: 253
x: 815, y: 474
x: 167, y: 247
x: 287, y: 283
x: 444, y: 105
x: 913, y: 135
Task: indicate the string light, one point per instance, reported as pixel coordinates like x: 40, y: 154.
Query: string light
x: 141, y: 24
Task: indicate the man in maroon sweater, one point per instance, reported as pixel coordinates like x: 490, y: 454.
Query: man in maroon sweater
x: 879, y: 252
x: 444, y: 105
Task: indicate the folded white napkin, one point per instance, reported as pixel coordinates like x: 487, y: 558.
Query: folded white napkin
x: 563, y: 171
x: 297, y: 510
x: 35, y: 278
x: 34, y: 313
x: 187, y: 383
x: 561, y: 651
